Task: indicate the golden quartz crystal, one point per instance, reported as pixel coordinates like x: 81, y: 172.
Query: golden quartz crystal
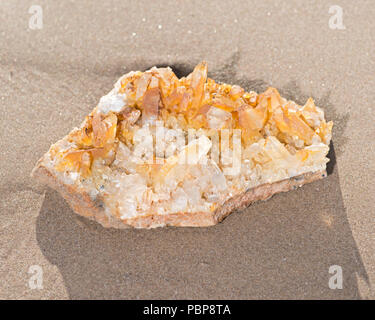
x: 107, y: 156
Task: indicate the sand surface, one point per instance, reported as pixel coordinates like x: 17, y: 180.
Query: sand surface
x: 283, y: 248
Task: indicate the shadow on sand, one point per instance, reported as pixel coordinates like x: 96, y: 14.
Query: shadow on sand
x: 281, y: 248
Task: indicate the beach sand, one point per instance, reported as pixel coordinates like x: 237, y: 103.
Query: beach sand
x: 282, y: 248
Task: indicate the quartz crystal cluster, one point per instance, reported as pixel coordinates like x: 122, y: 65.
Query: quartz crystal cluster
x: 117, y: 154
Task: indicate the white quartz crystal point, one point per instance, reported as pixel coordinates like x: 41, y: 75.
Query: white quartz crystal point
x: 113, y: 101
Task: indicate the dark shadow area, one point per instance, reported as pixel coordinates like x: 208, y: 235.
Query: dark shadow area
x: 281, y: 248
x: 332, y: 159
x: 179, y: 69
